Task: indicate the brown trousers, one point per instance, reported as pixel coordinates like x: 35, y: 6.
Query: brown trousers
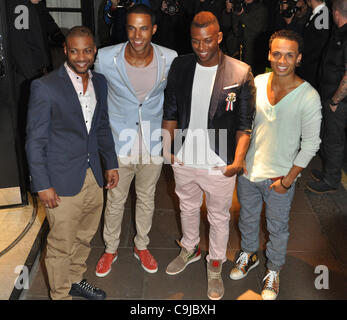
x: 73, y: 225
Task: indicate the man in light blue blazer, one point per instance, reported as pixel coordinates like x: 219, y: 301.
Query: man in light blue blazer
x: 136, y: 73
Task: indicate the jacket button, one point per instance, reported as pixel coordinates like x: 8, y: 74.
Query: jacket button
x: 137, y: 123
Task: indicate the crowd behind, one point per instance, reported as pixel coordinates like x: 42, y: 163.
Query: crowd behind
x: 246, y: 25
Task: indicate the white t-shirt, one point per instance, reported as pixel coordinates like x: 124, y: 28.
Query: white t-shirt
x: 196, y: 151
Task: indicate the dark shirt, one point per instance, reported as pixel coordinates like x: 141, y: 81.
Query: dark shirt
x: 29, y: 47
x: 334, y: 63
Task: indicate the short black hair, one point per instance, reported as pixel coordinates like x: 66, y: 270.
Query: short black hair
x: 79, y: 31
x: 142, y: 9
x: 289, y: 35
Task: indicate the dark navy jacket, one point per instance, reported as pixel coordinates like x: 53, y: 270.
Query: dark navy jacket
x: 58, y: 145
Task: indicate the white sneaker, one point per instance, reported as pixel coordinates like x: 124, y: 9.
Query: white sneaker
x: 271, y: 286
x: 245, y: 263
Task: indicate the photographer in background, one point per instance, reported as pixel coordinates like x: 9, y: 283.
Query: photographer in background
x: 173, y: 29
x: 248, y: 22
x: 292, y: 15
x: 215, y: 6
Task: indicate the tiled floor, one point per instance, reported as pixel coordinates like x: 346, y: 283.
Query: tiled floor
x: 312, y: 244
x: 12, y: 222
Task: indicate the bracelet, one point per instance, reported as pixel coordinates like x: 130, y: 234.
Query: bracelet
x: 287, y: 188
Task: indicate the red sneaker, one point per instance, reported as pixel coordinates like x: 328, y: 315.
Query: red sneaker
x: 148, y: 263
x: 103, y: 268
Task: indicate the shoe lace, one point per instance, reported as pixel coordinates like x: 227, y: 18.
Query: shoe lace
x: 270, y: 278
x: 184, y: 253
x: 103, y: 261
x: 214, y: 275
x: 242, y: 260
x: 85, y: 285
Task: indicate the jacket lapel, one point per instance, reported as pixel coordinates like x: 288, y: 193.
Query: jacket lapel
x: 70, y: 92
x: 217, y: 88
x: 97, y: 96
x: 188, y: 88
x: 161, y: 59
x: 119, y: 61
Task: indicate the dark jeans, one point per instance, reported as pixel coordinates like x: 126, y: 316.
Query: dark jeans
x: 333, y: 142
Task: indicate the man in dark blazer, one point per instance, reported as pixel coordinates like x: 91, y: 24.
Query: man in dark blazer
x: 68, y: 129
x: 31, y: 31
x: 210, y: 98
x: 316, y: 34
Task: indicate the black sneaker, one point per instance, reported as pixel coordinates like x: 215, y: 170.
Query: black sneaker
x: 86, y: 290
x: 244, y: 263
x: 319, y: 187
x: 317, y: 174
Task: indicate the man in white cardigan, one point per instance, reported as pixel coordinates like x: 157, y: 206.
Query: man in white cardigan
x: 285, y: 137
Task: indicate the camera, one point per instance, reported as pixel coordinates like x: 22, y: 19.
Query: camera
x: 124, y: 3
x: 172, y: 7
x: 238, y: 5
x: 290, y: 9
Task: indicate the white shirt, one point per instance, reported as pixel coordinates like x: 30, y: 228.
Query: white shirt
x: 88, y: 99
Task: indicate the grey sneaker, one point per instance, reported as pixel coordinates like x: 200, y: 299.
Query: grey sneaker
x: 271, y: 285
x: 215, y: 290
x: 244, y: 263
x: 183, y: 259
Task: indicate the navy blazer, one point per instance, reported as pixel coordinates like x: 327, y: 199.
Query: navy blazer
x: 233, y: 78
x: 58, y: 145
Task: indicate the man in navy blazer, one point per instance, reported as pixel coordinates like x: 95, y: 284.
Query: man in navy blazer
x: 67, y: 130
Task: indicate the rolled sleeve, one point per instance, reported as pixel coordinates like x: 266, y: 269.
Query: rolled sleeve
x: 310, y: 136
x: 246, y: 108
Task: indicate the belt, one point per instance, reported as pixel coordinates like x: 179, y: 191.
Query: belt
x: 277, y: 178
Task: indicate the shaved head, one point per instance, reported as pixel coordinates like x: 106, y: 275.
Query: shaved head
x: 205, y: 18
x: 205, y: 38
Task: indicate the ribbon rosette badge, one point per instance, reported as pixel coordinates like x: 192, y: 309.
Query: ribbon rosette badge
x: 230, y: 99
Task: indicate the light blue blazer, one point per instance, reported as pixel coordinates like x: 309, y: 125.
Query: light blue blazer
x: 123, y: 105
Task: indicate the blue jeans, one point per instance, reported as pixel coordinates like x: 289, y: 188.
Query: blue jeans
x: 251, y: 196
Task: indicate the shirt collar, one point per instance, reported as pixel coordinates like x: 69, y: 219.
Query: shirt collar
x: 74, y: 74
